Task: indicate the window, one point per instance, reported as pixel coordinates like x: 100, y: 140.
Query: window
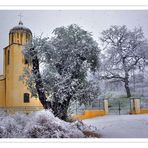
x: 21, y: 38
x: 27, y: 37
x: 26, y: 62
x: 12, y: 38
x: 17, y: 35
x: 26, y: 98
x: 8, y: 57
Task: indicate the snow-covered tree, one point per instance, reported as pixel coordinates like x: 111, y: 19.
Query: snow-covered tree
x: 124, y: 52
x: 65, y: 59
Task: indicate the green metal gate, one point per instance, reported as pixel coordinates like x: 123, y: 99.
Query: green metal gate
x: 144, y: 103
x: 119, y: 106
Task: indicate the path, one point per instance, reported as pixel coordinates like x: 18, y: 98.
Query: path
x: 121, y: 126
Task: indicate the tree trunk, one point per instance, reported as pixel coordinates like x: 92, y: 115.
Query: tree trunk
x: 65, y: 106
x: 127, y: 88
x: 38, y: 81
x: 59, y: 109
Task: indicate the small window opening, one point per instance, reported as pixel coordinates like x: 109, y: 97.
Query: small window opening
x: 26, y: 98
x: 12, y: 38
x: 8, y: 57
x: 26, y: 61
x: 17, y: 35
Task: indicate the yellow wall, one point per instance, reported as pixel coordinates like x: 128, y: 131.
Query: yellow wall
x: 2, y: 92
x: 11, y: 88
x: 89, y: 114
x: 144, y: 111
x: 15, y: 88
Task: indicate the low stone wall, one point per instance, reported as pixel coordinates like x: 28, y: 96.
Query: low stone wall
x: 89, y: 114
x: 144, y: 111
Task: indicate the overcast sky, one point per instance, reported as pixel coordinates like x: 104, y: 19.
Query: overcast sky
x: 44, y: 21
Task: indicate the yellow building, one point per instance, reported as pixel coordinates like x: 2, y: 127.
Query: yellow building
x: 13, y: 92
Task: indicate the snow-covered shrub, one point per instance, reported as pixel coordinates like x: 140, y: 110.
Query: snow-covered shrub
x: 10, y: 128
x: 3, y: 114
x: 41, y: 124
x: 21, y: 119
x: 2, y: 132
x: 88, y: 131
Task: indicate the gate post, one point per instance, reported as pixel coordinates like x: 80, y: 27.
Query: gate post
x: 132, y: 108
x: 135, y: 106
x: 105, y: 104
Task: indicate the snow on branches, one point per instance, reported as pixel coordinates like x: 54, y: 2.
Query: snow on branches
x: 60, y: 67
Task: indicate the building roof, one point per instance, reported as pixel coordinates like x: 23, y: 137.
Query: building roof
x: 20, y: 27
x: 12, y: 44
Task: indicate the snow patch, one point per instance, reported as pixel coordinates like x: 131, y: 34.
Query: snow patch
x: 121, y: 126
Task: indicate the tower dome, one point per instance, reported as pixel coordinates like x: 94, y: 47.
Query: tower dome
x: 20, y: 27
x: 20, y: 34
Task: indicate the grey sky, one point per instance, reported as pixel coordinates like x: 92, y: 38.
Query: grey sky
x: 44, y: 21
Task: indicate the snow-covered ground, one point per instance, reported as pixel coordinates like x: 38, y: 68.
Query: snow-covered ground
x: 42, y: 124
x: 121, y: 126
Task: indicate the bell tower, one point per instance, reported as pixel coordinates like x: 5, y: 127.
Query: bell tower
x: 20, y: 35
x: 17, y: 94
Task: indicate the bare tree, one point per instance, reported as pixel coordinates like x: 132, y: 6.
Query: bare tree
x: 123, y: 52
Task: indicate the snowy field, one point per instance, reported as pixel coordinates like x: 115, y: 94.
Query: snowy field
x: 121, y: 126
